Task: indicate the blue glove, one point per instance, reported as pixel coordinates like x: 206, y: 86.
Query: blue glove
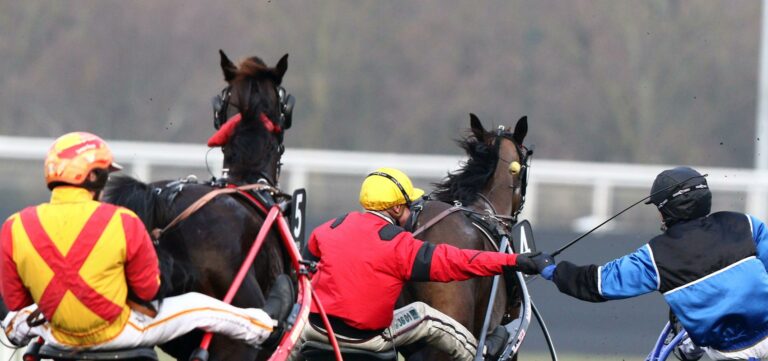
x: 548, y: 272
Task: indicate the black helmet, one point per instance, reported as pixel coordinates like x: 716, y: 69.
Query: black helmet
x: 681, y: 193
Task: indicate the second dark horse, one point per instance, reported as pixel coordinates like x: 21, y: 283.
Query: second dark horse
x: 491, y: 182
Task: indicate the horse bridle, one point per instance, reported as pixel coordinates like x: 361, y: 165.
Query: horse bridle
x: 524, y: 154
x: 221, y: 103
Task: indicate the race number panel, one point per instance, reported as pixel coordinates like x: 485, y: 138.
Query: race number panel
x: 298, y: 216
x: 522, y: 237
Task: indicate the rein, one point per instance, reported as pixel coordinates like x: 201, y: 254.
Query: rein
x: 488, y: 202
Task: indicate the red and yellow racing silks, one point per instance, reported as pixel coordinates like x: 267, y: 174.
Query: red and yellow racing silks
x: 76, y: 258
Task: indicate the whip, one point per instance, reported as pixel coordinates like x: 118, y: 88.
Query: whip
x: 571, y: 243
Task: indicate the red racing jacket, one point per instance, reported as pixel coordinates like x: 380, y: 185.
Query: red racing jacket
x: 364, y: 261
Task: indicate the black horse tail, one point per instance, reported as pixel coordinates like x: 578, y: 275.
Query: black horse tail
x: 142, y: 199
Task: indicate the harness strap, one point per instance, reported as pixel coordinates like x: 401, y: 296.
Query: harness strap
x: 36, y: 318
x: 488, y: 202
x: 486, y: 235
x: 200, y: 202
x: 431, y: 222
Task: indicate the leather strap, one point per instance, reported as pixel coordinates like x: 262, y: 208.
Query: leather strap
x: 35, y: 318
x: 431, y: 222
x: 143, y: 309
x: 200, y: 202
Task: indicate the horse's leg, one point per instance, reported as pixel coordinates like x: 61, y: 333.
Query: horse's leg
x: 218, y: 260
x: 270, y: 262
x: 222, y: 348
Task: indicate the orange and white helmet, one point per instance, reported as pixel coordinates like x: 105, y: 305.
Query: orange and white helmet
x: 74, y: 155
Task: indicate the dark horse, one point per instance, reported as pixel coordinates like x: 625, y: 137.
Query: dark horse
x: 493, y: 182
x: 203, y: 252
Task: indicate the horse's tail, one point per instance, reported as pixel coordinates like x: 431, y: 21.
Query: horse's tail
x: 135, y: 195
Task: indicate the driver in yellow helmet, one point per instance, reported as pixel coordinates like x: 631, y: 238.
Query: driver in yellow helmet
x: 75, y: 260
x: 364, y: 258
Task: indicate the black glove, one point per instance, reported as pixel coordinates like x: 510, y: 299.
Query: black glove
x: 533, y: 263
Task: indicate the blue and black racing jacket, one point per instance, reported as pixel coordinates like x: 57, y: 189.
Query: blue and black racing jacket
x: 711, y: 271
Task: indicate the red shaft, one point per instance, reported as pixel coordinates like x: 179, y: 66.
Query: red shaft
x: 285, y: 232
x: 328, y: 328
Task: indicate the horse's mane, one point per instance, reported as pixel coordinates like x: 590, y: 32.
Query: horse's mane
x: 125, y: 191
x: 250, y: 149
x: 252, y: 145
x: 465, y: 184
x: 256, y: 68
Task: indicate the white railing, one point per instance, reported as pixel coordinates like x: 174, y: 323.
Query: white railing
x: 602, y: 178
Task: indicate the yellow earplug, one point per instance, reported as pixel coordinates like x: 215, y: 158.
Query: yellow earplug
x: 514, y: 168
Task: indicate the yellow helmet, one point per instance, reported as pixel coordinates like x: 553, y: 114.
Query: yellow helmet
x: 387, y: 187
x: 73, y: 155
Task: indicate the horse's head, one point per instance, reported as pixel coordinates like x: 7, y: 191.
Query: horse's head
x: 511, y: 170
x: 252, y: 113
x: 496, y: 171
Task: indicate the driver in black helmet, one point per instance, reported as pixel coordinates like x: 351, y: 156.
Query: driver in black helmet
x: 711, y: 269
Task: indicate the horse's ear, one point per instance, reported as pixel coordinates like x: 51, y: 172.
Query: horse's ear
x: 227, y: 66
x: 521, y: 130
x: 476, y: 126
x: 281, y: 68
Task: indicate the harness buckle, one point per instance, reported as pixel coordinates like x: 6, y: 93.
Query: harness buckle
x: 310, y: 267
x: 36, y: 318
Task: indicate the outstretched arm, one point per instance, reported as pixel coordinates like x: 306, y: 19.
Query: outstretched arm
x: 424, y: 261
x: 450, y: 263
x: 632, y: 275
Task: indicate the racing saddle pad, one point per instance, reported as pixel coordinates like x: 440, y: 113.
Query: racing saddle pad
x: 316, y: 351
x: 137, y: 354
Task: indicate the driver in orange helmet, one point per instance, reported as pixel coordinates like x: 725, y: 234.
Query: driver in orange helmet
x: 75, y: 260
